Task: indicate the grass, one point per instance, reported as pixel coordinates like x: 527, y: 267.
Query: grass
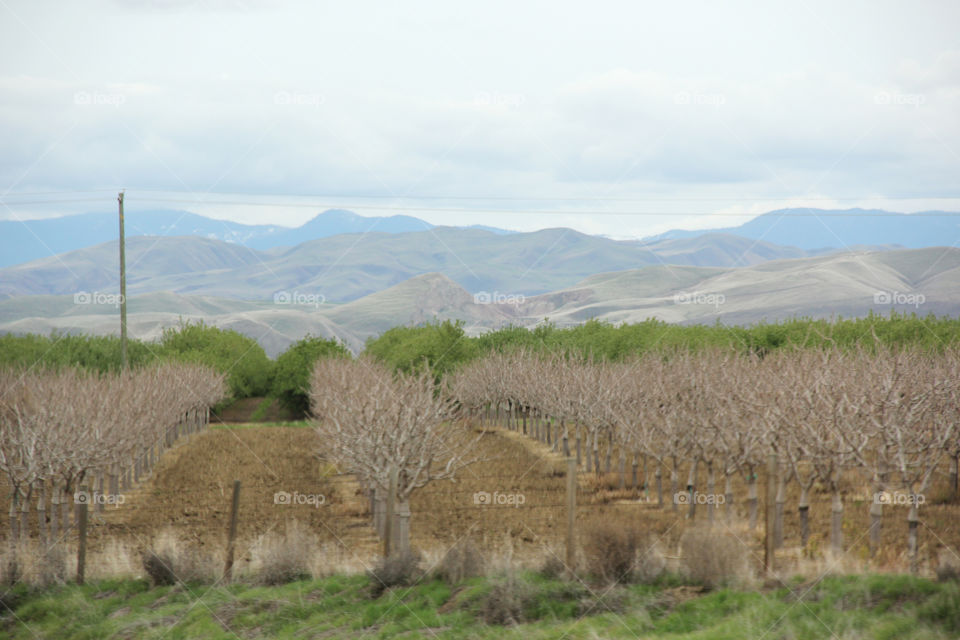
x: 245, y: 425
x: 261, y: 411
x: 867, y: 606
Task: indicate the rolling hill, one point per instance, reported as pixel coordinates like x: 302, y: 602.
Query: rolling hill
x: 346, y: 267
x: 848, y: 284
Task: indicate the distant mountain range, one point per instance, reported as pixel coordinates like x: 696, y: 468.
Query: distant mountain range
x: 36, y: 239
x: 812, y: 230
x: 844, y: 284
x: 818, y: 229
x: 353, y: 277
x: 346, y: 267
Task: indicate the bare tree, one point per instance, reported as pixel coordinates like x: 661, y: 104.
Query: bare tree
x: 371, y: 421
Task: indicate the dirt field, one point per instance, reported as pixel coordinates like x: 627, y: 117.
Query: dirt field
x: 188, y: 496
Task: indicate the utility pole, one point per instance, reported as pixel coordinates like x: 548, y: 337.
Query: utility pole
x: 123, y: 290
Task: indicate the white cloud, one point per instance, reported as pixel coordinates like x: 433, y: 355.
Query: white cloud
x: 689, y: 111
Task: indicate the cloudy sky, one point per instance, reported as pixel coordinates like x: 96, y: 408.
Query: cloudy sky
x: 621, y: 118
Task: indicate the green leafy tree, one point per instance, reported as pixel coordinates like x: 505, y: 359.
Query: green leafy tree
x: 441, y: 346
x: 291, y: 380
x: 249, y: 371
x: 95, y: 353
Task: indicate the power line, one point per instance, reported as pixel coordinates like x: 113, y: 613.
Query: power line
x: 359, y: 196
x: 139, y: 196
x: 532, y: 211
x: 61, y: 193
x: 346, y: 196
x: 27, y: 203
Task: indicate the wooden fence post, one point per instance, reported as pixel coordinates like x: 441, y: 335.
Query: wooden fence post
x: 232, y: 534
x: 571, y: 513
x: 769, y: 512
x: 84, y: 497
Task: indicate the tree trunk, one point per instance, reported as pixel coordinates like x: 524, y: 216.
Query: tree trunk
x: 804, y: 510
x: 589, y: 456
x: 876, y: 518
x: 379, y: 510
x: 913, y: 522
x: 66, y: 501
x: 14, y: 514
x: 400, y: 531
x: 778, y: 513
x: 623, y: 470
x: 101, y: 489
x: 579, y: 461
x: 55, y: 513
x: 674, y: 480
x: 658, y: 474
x: 114, y: 484
x: 691, y: 489
x: 42, y: 512
x: 836, y: 524
x: 752, y: 500
x: 596, y: 452
x: 645, y: 474
x: 954, y: 464
x: 25, y: 514
x: 633, y: 469
x: 728, y: 496
x: 712, y: 493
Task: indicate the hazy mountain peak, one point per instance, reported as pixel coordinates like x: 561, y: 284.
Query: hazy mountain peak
x: 840, y: 229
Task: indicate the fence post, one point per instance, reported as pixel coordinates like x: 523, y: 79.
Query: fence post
x: 232, y: 534
x: 571, y: 513
x: 769, y: 513
x: 82, y: 543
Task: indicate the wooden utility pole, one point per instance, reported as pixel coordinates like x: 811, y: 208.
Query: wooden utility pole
x: 123, y: 290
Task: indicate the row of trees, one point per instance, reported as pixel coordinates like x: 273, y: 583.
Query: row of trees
x: 445, y: 347
x: 63, y: 428
x: 889, y: 415
x: 247, y: 369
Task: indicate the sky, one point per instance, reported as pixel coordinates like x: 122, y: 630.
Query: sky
x: 618, y: 118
